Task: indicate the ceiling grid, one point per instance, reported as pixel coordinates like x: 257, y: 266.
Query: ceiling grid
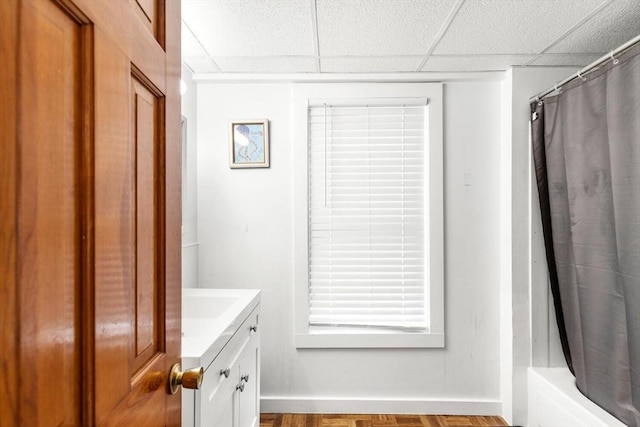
x: 400, y: 36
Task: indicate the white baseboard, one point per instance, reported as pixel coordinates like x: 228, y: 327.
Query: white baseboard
x: 321, y: 405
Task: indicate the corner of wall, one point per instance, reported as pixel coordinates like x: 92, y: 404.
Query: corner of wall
x: 517, y: 254
x: 189, y: 186
x: 506, y: 311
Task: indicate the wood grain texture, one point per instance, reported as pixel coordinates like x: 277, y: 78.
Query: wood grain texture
x: 377, y: 420
x: 88, y: 223
x: 145, y: 133
x: 113, y: 226
x: 131, y: 359
x: 48, y: 230
x: 150, y: 14
x: 8, y: 215
x: 171, y: 191
x: 86, y: 209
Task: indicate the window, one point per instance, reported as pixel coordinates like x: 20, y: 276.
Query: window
x: 366, y: 165
x: 371, y: 184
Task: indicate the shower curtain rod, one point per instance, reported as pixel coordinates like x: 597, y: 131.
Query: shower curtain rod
x: 605, y: 58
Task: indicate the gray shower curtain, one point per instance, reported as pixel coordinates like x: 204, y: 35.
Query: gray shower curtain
x: 586, y: 144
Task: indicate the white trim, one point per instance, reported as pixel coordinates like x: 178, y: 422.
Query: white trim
x: 435, y: 205
x: 422, y: 77
x: 506, y: 288
x: 364, y: 340
x: 341, y: 405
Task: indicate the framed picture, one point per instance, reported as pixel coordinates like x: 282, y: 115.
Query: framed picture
x: 249, y: 144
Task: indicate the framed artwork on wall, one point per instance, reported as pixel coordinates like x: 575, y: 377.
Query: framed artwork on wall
x: 249, y: 144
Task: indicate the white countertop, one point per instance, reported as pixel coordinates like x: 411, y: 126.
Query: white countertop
x: 210, y: 317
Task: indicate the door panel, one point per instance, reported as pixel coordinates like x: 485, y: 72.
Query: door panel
x: 150, y: 13
x: 48, y: 225
x: 130, y: 244
x: 91, y: 213
x: 146, y: 116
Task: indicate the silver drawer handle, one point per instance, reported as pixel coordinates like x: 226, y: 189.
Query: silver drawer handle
x: 225, y: 372
x: 253, y: 328
x: 245, y: 378
x: 240, y: 387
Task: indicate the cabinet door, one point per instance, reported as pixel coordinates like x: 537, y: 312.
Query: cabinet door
x: 235, y: 403
x: 217, y: 404
x: 250, y: 397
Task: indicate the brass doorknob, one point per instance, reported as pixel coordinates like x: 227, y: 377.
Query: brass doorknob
x: 191, y: 378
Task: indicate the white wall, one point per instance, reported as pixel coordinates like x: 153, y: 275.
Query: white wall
x: 189, y: 186
x: 524, y: 296
x: 245, y: 233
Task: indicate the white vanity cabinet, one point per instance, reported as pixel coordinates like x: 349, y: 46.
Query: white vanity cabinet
x: 230, y: 392
x: 233, y: 400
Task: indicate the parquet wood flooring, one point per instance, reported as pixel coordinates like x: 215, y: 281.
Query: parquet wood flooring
x: 344, y: 420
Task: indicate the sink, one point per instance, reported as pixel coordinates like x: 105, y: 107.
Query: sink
x: 207, y: 307
x: 210, y: 317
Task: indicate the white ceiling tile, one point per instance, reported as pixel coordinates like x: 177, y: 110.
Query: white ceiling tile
x: 474, y: 63
x: 370, y: 64
x: 379, y: 27
x: 251, y: 28
x: 360, y: 36
x: 269, y: 64
x: 578, y: 60
x: 200, y: 64
x: 511, y: 26
x: 617, y: 23
x: 190, y: 45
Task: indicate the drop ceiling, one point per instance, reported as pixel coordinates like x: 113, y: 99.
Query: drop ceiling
x: 407, y: 36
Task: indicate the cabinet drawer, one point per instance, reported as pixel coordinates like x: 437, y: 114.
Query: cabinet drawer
x: 225, y: 359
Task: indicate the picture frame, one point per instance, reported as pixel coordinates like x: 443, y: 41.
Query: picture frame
x: 249, y: 143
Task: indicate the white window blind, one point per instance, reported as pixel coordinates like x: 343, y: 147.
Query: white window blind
x: 367, y: 217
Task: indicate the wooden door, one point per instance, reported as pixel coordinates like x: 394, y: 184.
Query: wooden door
x: 89, y: 212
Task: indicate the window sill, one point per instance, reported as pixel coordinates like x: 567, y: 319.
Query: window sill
x: 334, y: 338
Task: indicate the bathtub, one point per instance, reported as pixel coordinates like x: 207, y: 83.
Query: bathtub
x: 555, y: 401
